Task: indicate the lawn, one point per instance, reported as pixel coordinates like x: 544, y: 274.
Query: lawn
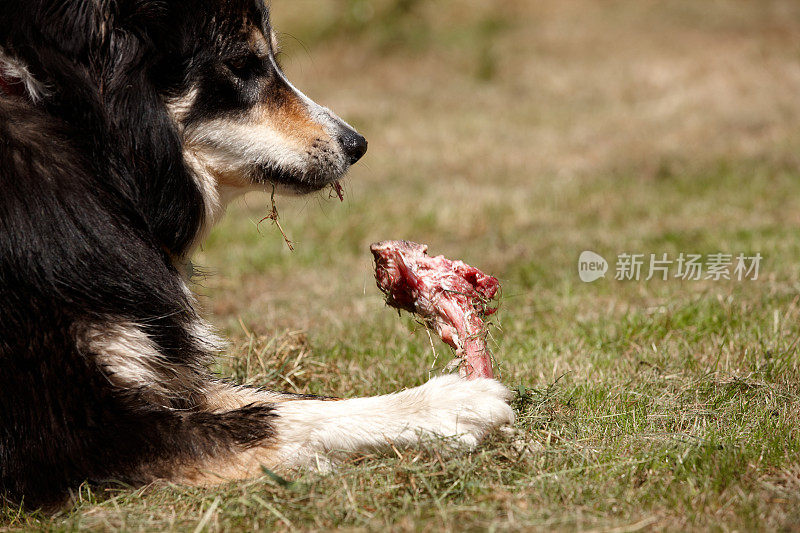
x: 515, y: 135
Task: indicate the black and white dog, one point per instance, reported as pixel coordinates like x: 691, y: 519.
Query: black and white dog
x: 125, y: 127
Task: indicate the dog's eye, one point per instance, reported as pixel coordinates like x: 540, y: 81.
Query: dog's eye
x: 239, y: 66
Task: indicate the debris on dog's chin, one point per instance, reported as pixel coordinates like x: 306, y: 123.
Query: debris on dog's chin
x: 452, y: 298
x: 273, y: 216
x: 337, y: 189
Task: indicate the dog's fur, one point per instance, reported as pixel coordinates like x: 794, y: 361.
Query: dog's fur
x: 125, y: 127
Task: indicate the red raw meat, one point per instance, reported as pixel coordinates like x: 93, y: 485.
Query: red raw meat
x: 450, y: 296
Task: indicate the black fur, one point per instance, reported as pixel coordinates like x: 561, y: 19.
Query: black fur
x: 96, y: 210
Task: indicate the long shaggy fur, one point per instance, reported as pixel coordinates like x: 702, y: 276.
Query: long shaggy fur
x: 124, y: 126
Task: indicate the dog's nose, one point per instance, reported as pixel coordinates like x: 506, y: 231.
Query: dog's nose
x: 353, y: 144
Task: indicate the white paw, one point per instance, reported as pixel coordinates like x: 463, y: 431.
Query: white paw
x: 446, y: 408
x: 450, y: 406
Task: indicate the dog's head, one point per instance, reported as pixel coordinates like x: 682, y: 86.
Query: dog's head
x: 144, y: 83
x: 244, y: 124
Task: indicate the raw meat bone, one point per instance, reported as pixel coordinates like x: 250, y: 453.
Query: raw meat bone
x: 451, y: 297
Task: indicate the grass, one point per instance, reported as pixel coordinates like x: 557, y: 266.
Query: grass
x: 515, y: 137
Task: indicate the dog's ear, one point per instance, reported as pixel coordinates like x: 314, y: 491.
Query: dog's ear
x: 140, y: 34
x: 90, y: 34
x: 145, y: 20
x: 75, y: 27
x: 96, y: 56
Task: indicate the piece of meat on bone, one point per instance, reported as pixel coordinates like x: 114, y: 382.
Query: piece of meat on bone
x: 451, y: 297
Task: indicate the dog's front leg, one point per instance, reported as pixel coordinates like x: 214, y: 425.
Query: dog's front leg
x: 316, y: 433
x: 448, y: 407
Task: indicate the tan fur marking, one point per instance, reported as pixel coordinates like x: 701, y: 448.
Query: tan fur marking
x: 293, y: 120
x: 276, y: 47
x: 221, y: 396
x: 245, y: 464
x: 259, y: 42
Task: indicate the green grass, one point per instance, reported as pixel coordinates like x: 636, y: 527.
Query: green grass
x: 515, y: 137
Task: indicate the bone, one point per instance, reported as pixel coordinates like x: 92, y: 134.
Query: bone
x: 451, y: 297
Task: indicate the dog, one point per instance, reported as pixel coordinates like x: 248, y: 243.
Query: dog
x: 126, y: 126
